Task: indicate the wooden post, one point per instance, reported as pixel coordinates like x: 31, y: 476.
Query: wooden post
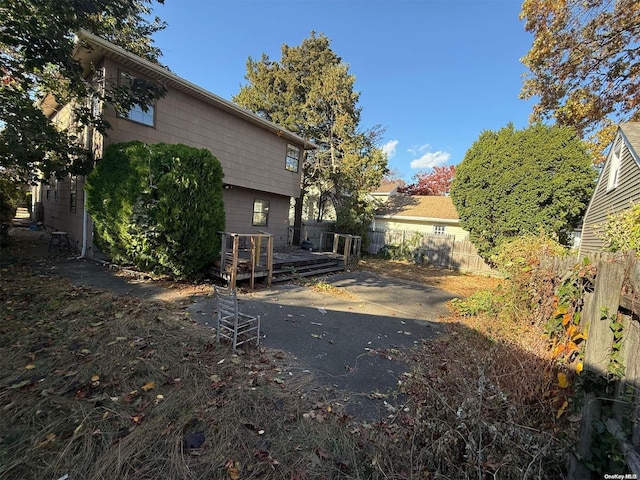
x: 234, y: 262
x: 347, y: 250
x: 606, y: 294
x: 253, y: 261
x: 257, y: 249
x: 269, y: 259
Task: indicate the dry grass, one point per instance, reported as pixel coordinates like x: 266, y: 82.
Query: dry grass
x: 458, y: 283
x: 101, y: 387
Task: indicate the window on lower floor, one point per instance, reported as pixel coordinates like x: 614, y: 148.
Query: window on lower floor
x: 260, y: 213
x: 438, y: 229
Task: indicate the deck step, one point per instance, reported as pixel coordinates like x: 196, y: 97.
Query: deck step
x: 308, y: 273
x: 299, y: 268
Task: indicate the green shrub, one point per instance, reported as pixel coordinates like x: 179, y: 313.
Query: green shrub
x: 158, y: 206
x: 11, y: 196
x: 482, y: 302
x: 407, y: 250
x: 528, y: 290
x: 621, y: 231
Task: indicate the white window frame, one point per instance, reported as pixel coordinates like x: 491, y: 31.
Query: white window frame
x: 260, y: 217
x: 439, y: 229
x: 614, y: 166
x: 292, y: 161
x: 136, y: 113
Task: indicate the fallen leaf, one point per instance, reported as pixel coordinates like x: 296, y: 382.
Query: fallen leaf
x: 148, y: 386
x: 233, y: 469
x: 51, y: 437
x: 562, y: 409
x: 562, y: 380
x: 95, y: 378
x: 31, y: 366
x: 322, y: 453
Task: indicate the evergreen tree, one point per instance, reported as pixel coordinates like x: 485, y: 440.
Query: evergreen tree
x: 311, y: 93
x: 512, y: 182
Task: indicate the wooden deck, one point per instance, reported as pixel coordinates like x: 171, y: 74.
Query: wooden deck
x: 288, y: 264
x: 251, y: 256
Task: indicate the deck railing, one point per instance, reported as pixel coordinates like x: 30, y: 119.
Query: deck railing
x: 250, y: 252
x: 347, y: 246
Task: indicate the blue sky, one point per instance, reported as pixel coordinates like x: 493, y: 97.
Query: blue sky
x: 434, y: 73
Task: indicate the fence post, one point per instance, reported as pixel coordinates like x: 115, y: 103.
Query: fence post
x: 606, y: 294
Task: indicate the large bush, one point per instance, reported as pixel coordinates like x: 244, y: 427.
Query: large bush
x: 515, y: 182
x: 158, y: 206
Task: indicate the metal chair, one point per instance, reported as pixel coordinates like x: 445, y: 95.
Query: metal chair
x: 232, y: 325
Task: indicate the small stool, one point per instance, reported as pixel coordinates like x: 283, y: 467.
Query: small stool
x: 59, y: 238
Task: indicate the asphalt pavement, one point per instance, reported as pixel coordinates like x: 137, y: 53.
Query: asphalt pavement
x: 347, y: 334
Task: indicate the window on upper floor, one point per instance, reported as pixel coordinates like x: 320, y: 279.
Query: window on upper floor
x: 293, y: 158
x: 260, y: 213
x: 439, y: 229
x: 614, y: 165
x: 136, y: 113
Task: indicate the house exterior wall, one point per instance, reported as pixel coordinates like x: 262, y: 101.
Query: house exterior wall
x: 58, y: 213
x: 238, y: 204
x: 422, y: 226
x: 605, y: 202
x: 251, y: 157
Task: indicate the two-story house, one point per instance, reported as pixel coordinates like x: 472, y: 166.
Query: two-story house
x: 261, y: 161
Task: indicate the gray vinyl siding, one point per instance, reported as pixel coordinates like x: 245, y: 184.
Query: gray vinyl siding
x: 622, y: 197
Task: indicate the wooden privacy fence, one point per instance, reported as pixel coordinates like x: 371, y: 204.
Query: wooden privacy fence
x: 436, y: 249
x: 615, y: 297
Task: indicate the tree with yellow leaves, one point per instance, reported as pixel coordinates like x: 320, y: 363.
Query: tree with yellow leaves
x: 584, y: 64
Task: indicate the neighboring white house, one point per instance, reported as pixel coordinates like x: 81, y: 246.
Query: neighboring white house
x: 426, y: 214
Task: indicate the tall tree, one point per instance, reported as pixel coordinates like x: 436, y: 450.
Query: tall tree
x: 436, y: 182
x: 584, y: 64
x: 311, y: 92
x: 37, y: 39
x: 513, y: 182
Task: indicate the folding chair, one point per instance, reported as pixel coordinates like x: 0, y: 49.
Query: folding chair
x: 232, y: 325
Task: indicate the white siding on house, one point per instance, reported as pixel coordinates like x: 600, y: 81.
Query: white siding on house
x: 422, y: 226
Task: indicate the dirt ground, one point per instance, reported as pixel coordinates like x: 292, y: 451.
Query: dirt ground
x: 458, y: 283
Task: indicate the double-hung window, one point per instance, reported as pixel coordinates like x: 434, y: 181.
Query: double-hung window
x: 438, y: 229
x: 260, y: 213
x: 293, y: 158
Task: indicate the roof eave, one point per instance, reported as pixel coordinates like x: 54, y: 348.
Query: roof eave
x: 418, y: 219
x: 171, y: 79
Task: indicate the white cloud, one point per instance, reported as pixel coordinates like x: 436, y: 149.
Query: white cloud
x: 413, y: 150
x: 430, y: 160
x: 390, y: 148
